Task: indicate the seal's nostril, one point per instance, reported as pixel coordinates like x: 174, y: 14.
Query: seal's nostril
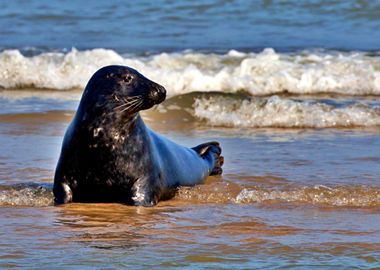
x: 157, y: 94
x: 154, y: 93
x: 158, y: 91
x: 162, y: 90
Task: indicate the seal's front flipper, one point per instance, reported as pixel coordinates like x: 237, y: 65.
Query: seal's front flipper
x: 143, y: 193
x: 62, y: 193
x: 211, y: 150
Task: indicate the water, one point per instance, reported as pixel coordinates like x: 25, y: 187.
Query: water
x: 177, y: 25
x: 290, y: 89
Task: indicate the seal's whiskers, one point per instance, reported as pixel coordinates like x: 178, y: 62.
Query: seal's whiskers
x: 133, y: 106
x: 128, y: 101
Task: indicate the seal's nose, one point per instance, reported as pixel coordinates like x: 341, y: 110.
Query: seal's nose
x: 158, y: 94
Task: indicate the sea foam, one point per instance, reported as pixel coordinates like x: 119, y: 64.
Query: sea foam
x: 284, y: 113
x: 318, y: 195
x: 264, y: 73
x: 38, y: 195
x: 26, y: 194
x: 354, y: 196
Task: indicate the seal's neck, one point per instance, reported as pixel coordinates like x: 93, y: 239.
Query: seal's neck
x: 110, y: 125
x: 120, y: 121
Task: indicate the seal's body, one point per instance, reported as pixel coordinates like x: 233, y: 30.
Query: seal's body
x: 109, y: 155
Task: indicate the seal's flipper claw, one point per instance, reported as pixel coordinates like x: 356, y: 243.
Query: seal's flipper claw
x: 219, y: 161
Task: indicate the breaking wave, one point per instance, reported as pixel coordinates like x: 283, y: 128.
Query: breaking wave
x: 285, y: 113
x: 264, y: 73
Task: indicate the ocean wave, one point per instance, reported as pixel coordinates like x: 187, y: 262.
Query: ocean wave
x: 37, y: 195
x: 284, y: 113
x: 319, y: 195
x: 264, y: 73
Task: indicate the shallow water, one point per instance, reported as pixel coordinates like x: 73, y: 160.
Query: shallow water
x: 288, y: 198
x: 189, y: 236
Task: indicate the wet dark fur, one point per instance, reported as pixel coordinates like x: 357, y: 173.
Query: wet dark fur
x: 109, y: 155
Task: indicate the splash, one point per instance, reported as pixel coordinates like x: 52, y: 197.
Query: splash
x: 28, y: 194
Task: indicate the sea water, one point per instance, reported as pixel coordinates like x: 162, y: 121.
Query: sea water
x: 289, y: 88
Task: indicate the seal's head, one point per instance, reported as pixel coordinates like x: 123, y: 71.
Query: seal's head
x: 120, y: 90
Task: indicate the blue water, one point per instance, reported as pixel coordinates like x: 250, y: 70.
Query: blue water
x: 211, y: 25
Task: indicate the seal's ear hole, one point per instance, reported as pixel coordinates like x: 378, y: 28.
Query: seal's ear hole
x: 110, y: 75
x: 128, y: 79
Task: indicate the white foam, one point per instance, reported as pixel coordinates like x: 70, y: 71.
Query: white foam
x: 359, y: 196
x: 319, y: 195
x: 263, y: 73
x: 53, y: 70
x: 282, y: 112
x: 26, y: 195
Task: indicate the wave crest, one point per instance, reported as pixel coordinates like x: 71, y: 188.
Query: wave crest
x: 264, y: 73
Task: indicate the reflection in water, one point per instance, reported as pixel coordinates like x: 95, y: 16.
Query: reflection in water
x: 109, y: 226
x: 158, y: 232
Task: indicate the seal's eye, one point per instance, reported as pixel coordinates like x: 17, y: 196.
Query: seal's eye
x: 128, y: 79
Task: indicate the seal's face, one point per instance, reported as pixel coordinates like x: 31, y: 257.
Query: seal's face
x: 121, y: 89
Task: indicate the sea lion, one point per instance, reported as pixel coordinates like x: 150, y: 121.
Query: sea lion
x: 109, y: 155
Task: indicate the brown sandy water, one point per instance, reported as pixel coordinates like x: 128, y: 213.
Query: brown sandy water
x: 288, y: 198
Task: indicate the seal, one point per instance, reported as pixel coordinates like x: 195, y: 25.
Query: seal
x: 109, y: 154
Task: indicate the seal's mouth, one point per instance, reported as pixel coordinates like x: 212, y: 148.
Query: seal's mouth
x: 160, y: 99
